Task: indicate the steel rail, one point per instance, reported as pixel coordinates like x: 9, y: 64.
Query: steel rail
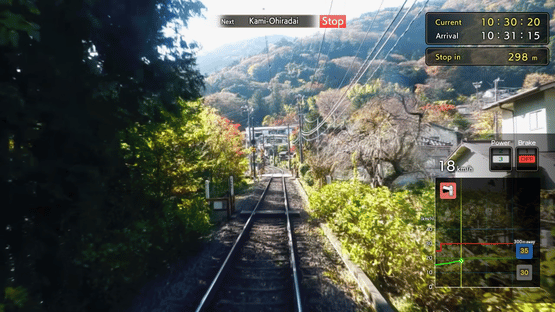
x: 291, y: 249
x: 205, y: 301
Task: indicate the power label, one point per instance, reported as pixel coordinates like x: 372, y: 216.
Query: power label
x: 333, y: 21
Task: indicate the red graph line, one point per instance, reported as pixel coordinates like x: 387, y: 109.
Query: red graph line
x: 441, y: 244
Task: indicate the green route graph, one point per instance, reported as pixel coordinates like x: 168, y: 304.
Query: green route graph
x: 487, y: 232
x: 461, y: 260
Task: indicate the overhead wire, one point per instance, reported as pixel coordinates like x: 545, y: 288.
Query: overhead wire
x: 360, y: 46
x: 360, y: 72
x: 319, y: 53
x: 310, y: 121
x: 393, y: 47
x: 356, y: 55
x: 408, y: 27
x: 268, y: 57
x: 317, y: 67
x: 398, y: 39
x: 365, y: 65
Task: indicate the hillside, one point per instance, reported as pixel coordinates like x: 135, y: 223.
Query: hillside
x: 301, y: 67
x: 229, y: 53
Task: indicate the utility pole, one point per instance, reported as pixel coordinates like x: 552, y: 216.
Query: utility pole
x: 318, y: 134
x: 274, y: 149
x: 495, y: 82
x: 477, y: 86
x: 253, y: 150
x: 496, y: 118
x: 301, y: 159
x: 250, y: 133
x: 288, y: 148
x: 263, y: 149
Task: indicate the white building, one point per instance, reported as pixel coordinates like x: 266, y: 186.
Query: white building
x: 528, y: 116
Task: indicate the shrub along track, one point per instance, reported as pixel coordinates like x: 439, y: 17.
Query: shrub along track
x: 325, y: 283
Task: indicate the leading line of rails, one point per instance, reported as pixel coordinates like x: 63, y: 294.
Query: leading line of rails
x: 205, y: 301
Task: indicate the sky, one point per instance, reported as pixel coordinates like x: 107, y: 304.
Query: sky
x: 209, y: 36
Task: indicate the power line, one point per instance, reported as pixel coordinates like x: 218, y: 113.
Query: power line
x: 408, y: 27
x: 367, y: 64
x: 361, y: 70
x: 319, y: 52
x: 393, y: 47
x: 360, y: 46
x: 268, y: 57
x: 269, y: 70
x: 314, y: 138
x: 399, y: 39
x: 358, y: 51
x: 310, y: 121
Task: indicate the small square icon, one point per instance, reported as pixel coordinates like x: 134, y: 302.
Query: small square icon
x: 447, y: 190
x: 527, y: 159
x: 524, y: 272
x: 500, y: 158
x: 524, y: 251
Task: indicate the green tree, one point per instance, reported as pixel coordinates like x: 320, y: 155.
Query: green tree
x: 360, y: 94
x: 261, y: 110
x: 68, y: 99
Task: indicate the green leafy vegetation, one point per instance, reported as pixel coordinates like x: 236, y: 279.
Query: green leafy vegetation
x: 382, y: 231
x: 104, y: 147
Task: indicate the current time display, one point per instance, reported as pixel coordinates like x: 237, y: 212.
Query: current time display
x: 512, y: 21
x: 500, y: 28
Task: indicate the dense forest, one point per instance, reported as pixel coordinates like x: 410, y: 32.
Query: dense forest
x: 104, y: 149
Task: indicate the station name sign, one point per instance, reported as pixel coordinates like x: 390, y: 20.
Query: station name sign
x: 287, y: 21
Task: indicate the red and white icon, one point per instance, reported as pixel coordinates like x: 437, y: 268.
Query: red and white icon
x: 447, y: 190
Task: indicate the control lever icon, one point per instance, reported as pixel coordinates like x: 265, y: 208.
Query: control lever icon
x: 447, y: 190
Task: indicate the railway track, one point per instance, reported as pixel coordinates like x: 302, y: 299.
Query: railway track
x: 260, y: 271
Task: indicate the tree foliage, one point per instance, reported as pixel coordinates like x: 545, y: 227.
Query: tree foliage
x: 535, y: 79
x: 366, y: 217
x: 382, y: 230
x: 100, y: 158
x: 383, y: 133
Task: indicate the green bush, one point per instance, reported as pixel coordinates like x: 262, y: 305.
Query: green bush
x: 303, y: 169
x: 168, y: 163
x: 382, y: 232
x: 308, y: 178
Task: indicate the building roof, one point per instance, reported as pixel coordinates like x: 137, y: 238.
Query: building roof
x: 479, y: 146
x: 550, y: 155
x: 424, y: 141
x: 431, y: 124
x: 274, y: 127
x: 521, y: 95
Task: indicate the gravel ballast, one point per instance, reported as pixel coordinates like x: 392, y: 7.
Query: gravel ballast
x: 327, y: 284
